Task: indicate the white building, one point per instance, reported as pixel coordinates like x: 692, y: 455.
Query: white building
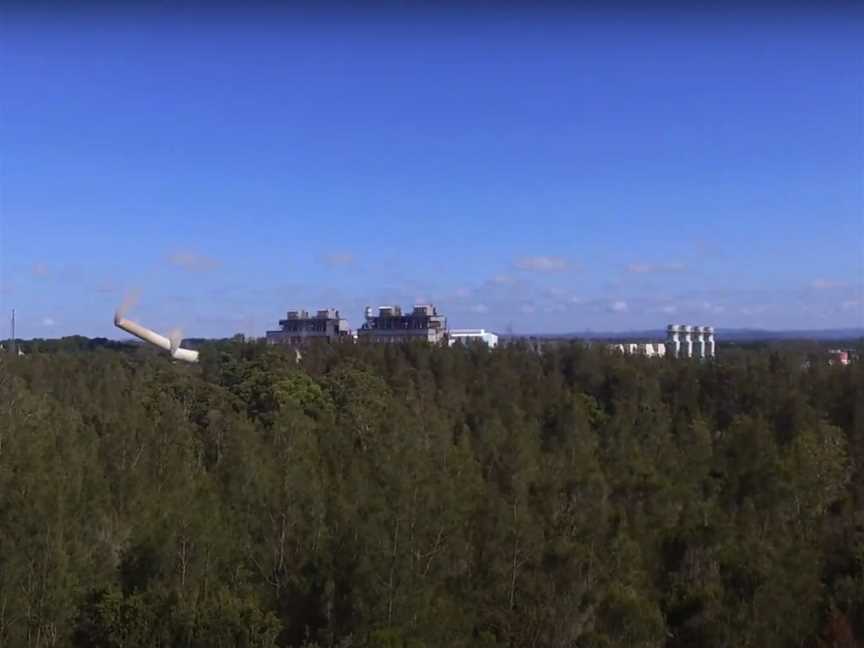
x: 647, y: 349
x: 467, y: 335
x: 656, y: 350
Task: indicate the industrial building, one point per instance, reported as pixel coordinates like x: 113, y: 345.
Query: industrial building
x: 684, y: 341
x: 647, y: 349
x: 391, y: 325
x: 299, y: 328
x: 469, y: 335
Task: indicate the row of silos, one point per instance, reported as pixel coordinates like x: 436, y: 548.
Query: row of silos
x: 685, y: 341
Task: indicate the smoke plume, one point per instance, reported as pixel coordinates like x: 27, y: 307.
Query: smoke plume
x: 176, y: 337
x: 129, y: 301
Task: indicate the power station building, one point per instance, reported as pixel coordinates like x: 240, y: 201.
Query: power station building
x: 684, y: 341
x: 391, y: 325
x: 299, y: 328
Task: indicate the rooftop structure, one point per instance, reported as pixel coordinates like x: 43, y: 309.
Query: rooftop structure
x: 391, y: 325
x: 299, y: 327
x: 468, y: 335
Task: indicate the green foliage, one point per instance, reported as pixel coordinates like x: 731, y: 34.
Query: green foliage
x: 153, y: 619
x: 413, y: 496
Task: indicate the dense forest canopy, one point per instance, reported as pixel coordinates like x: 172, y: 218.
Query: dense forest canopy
x: 396, y: 496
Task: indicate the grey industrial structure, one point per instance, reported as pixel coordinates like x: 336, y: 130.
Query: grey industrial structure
x: 298, y: 328
x: 391, y: 325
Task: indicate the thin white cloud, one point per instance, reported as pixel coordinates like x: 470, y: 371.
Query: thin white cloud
x: 40, y: 270
x: 479, y: 308
x: 338, y: 259
x: 106, y: 288
x: 619, y: 306
x: 542, y: 264
x: 528, y: 309
x: 193, y: 261
x: 48, y: 321
x: 851, y: 304
x: 646, y: 268
x: 130, y: 300
x: 669, y: 309
x: 708, y: 307
x: 825, y: 284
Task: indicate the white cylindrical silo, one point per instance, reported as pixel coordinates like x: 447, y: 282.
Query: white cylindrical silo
x: 673, y: 340
x: 687, y: 341
x: 699, y: 340
x: 709, y: 341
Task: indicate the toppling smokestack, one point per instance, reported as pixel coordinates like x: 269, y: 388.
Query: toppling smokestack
x: 171, y: 345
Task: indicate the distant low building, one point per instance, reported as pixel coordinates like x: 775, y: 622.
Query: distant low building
x: 468, y: 335
x: 838, y: 357
x: 391, y: 325
x: 299, y: 328
x: 647, y: 349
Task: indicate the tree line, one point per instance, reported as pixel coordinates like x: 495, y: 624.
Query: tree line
x: 416, y: 496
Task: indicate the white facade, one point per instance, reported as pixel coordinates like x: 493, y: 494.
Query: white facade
x: 647, y: 349
x: 657, y: 350
x: 467, y: 335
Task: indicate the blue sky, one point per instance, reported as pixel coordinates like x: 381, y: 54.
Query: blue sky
x: 543, y: 171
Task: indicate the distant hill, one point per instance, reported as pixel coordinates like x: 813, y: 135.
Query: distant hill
x: 721, y: 334
x: 752, y: 335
